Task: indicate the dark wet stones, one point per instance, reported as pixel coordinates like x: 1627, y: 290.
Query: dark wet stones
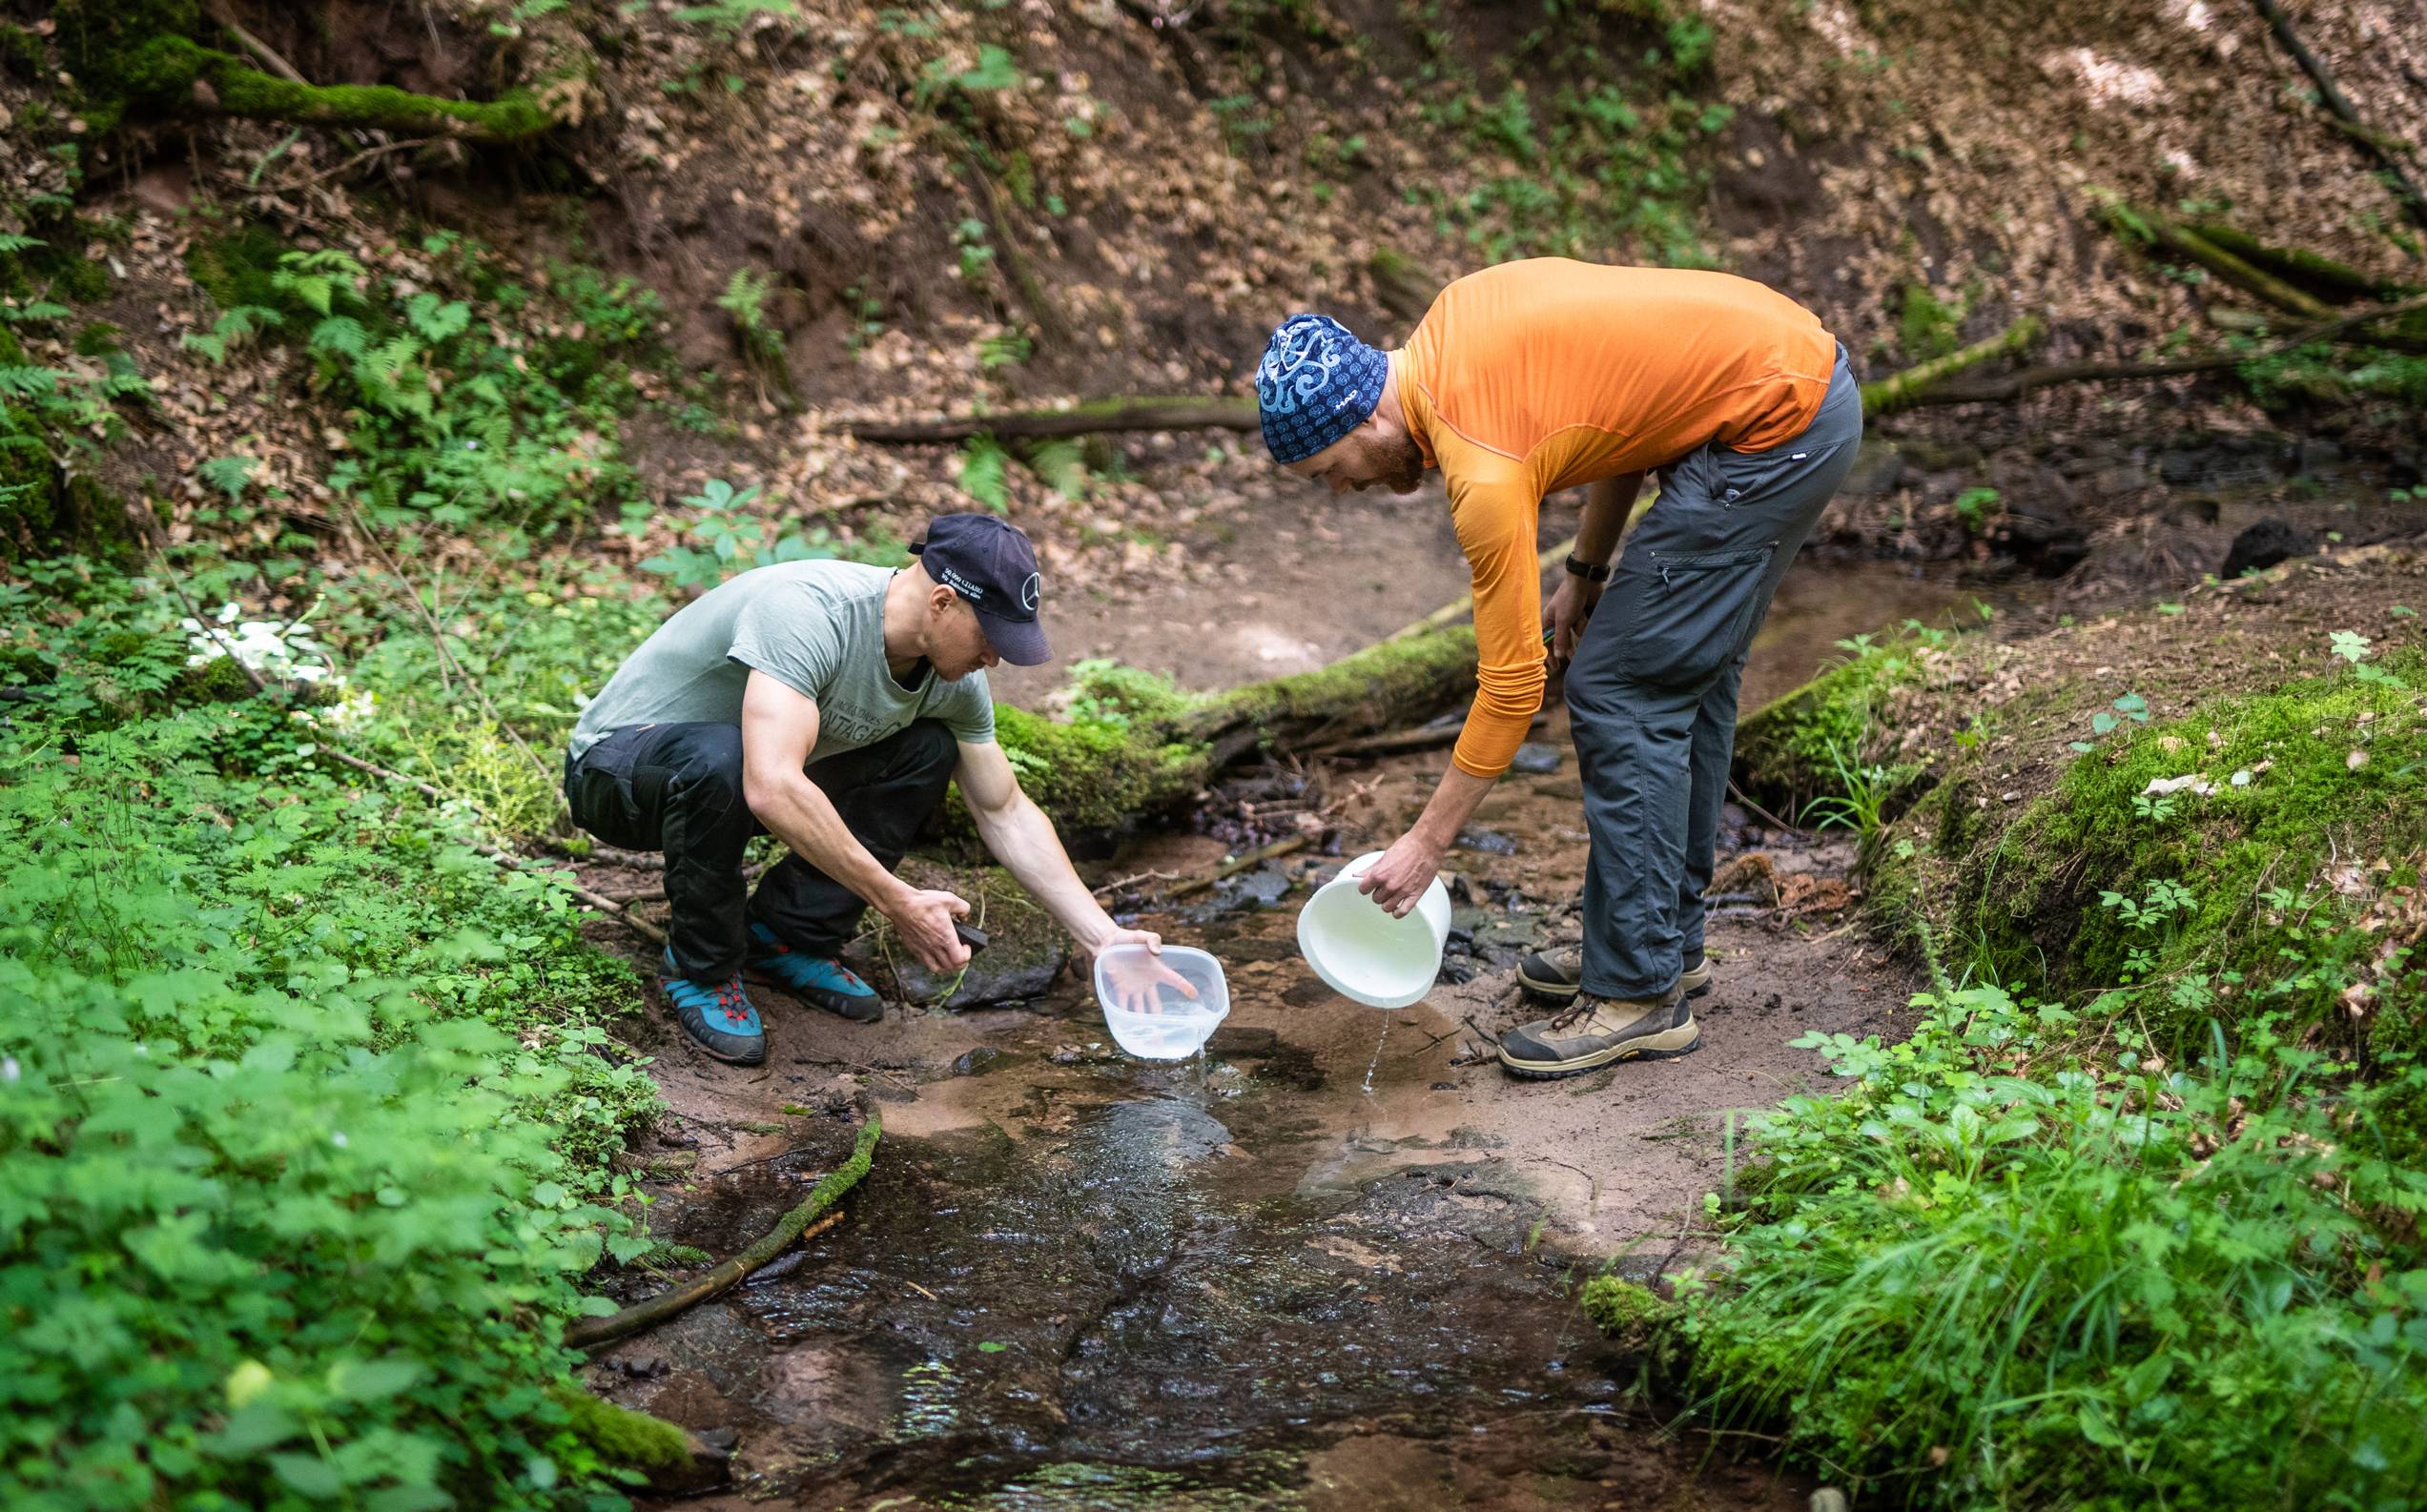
x: 979, y: 1061
x: 1017, y: 966
x: 1489, y: 842
x: 2262, y: 545
x: 1536, y: 759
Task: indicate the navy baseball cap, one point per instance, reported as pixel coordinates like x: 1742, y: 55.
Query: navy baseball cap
x: 993, y: 568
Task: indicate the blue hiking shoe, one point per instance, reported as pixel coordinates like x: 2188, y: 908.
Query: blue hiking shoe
x: 815, y: 979
x: 717, y: 1016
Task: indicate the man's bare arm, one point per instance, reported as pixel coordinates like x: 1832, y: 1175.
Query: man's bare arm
x: 1023, y: 840
x: 779, y: 729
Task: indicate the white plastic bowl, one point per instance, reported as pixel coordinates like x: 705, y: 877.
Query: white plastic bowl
x: 1177, y: 1026
x: 1361, y: 952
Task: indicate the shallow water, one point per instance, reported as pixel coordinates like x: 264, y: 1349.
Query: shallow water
x: 1136, y: 1285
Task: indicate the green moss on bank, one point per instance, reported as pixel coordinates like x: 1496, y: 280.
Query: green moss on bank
x: 143, y: 55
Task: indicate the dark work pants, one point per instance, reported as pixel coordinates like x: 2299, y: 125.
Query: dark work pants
x: 1652, y: 691
x: 678, y: 788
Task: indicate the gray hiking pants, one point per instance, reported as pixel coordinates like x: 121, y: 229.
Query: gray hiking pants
x: 1652, y: 691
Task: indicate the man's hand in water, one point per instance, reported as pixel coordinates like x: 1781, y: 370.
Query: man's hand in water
x: 1137, y: 984
x: 1400, y: 877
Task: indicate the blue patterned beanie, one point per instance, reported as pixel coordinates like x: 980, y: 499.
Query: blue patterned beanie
x: 1315, y: 384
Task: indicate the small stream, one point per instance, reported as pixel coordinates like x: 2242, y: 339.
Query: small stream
x: 1139, y: 1286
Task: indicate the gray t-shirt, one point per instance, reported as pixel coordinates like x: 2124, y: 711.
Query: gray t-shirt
x: 818, y: 628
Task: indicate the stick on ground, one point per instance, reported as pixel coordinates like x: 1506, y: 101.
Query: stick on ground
x: 591, y: 1332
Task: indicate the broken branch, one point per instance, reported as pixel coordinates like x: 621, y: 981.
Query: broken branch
x: 592, y: 1332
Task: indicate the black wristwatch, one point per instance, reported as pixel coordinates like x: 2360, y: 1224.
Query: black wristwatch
x: 1587, y: 570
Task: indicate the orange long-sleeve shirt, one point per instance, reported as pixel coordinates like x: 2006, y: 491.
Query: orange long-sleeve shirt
x: 1533, y: 376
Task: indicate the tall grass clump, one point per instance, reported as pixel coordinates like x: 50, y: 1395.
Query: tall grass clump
x: 1986, y: 1273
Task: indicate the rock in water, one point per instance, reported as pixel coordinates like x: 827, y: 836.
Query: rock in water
x: 1490, y: 842
x: 1536, y: 759
x: 2264, y: 544
x: 1025, y: 949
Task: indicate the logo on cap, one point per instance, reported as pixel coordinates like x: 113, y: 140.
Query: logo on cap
x: 1031, y: 590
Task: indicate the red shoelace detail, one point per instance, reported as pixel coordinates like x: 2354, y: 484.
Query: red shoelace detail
x: 736, y: 1007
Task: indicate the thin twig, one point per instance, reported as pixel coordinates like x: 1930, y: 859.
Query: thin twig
x: 1773, y: 819
x: 1110, y: 889
x: 1279, y: 848
x: 365, y: 156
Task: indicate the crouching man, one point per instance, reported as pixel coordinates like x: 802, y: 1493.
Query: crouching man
x: 829, y: 703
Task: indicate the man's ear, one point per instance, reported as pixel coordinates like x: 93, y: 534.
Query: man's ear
x: 940, y: 598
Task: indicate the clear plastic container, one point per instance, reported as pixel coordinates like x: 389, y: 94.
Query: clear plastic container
x: 1161, y: 1006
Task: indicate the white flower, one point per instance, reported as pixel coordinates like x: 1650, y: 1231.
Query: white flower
x: 338, y: 1138
x: 8, y: 1068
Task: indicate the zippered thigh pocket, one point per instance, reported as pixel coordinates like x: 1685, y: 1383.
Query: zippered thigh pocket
x: 1681, y: 617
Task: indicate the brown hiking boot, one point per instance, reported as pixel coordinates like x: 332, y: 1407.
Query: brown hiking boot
x: 1558, y: 974
x: 1599, y: 1032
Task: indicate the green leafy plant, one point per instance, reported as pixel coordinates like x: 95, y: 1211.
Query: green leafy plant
x: 985, y: 473
x: 732, y: 539
x: 976, y: 255
x: 1976, y: 507
x: 309, y: 1107
x: 1860, y: 805
x: 2106, y: 721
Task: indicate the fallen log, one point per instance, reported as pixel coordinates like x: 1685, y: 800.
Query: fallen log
x: 2016, y: 385
x: 2339, y: 282
x: 2241, y: 273
x: 1216, y: 413
x: 1902, y: 390
x: 1103, y: 416
x: 591, y: 1332
x: 2379, y: 145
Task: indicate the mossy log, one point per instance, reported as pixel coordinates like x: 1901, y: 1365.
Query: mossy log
x: 144, y: 55
x: 1901, y: 390
x: 1096, y: 776
x: 2184, y: 242
x: 2411, y: 315
x: 178, y: 76
x: 2321, y: 276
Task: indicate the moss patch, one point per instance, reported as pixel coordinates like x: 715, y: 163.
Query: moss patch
x: 622, y: 1436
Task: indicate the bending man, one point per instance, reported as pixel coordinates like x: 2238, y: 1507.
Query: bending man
x: 829, y: 703
x: 1537, y: 376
